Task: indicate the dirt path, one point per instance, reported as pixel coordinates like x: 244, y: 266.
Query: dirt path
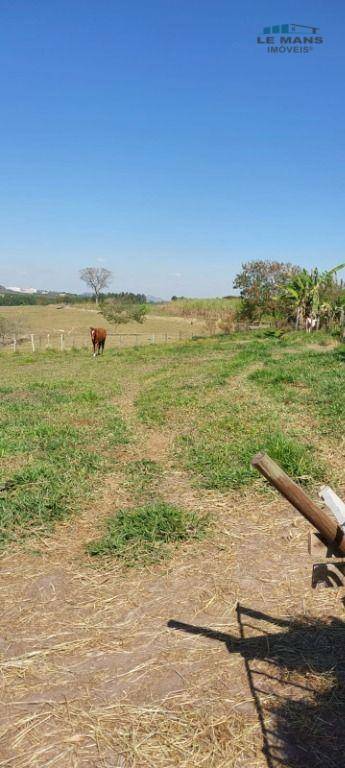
x: 158, y: 667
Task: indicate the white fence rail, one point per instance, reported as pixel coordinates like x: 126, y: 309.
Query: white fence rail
x: 67, y: 340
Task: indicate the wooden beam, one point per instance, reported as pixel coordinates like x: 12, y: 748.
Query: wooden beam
x: 327, y: 527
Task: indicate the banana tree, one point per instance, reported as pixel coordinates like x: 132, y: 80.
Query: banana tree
x: 333, y: 313
x: 305, y: 290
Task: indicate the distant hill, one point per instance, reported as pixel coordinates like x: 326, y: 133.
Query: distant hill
x: 15, y: 289
x: 154, y: 300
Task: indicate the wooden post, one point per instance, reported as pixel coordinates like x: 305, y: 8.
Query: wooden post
x: 62, y: 342
x: 48, y: 340
x: 14, y: 342
x: 32, y: 341
x: 327, y: 527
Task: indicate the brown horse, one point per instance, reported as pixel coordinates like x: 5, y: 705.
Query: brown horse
x: 98, y: 337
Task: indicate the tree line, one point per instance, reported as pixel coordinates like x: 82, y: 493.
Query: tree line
x: 38, y: 299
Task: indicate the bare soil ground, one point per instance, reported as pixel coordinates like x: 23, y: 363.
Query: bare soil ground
x: 209, y: 659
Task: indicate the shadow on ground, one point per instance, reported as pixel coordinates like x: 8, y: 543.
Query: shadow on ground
x: 296, y: 674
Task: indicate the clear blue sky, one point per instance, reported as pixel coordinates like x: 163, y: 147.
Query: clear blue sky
x: 156, y: 138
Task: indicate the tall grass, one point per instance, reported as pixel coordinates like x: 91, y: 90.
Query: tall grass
x: 196, y: 307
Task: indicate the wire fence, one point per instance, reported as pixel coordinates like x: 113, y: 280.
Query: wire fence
x: 67, y: 340
x: 61, y: 341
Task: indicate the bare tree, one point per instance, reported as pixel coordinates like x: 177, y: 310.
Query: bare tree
x: 96, y: 278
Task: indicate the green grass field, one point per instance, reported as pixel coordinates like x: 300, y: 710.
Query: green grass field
x: 224, y: 399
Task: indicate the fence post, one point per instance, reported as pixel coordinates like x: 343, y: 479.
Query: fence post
x: 153, y: 338
x: 326, y: 525
x: 32, y: 341
x: 62, y: 342
x: 48, y: 340
x: 14, y: 342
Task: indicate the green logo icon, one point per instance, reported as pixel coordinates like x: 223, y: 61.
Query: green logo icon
x: 276, y: 29
x: 284, y: 28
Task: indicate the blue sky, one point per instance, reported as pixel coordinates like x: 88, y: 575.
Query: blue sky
x: 156, y: 138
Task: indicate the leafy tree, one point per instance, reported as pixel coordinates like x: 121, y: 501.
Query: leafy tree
x: 97, y: 278
x: 126, y: 297
x: 260, y: 284
x: 119, y: 311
